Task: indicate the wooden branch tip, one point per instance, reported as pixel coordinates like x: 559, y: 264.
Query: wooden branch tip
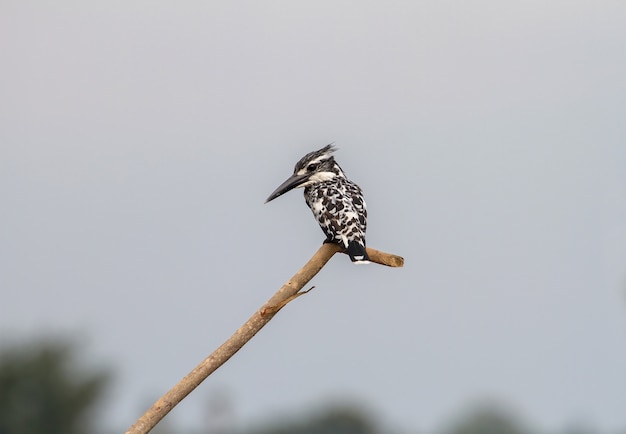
x: 384, y: 258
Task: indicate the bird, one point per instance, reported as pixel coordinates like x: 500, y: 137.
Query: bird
x: 336, y: 202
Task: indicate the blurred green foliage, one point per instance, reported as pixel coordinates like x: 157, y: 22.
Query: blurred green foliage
x: 43, y: 390
x: 487, y: 419
x: 338, y: 420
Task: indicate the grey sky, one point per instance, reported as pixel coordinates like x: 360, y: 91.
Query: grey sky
x: 138, y: 141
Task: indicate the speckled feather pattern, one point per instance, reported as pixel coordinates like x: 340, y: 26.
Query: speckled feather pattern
x: 340, y: 210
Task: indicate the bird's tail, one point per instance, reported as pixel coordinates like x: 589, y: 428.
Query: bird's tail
x: 357, y: 253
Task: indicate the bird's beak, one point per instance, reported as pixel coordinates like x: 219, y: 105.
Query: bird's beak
x: 292, y: 182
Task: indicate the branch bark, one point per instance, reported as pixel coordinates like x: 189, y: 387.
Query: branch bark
x: 250, y: 328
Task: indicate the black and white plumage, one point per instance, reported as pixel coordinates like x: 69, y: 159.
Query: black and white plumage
x: 337, y: 203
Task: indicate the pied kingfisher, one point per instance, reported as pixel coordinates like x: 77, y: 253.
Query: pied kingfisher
x: 337, y: 203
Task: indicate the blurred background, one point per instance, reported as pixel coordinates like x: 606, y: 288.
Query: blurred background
x: 139, y: 140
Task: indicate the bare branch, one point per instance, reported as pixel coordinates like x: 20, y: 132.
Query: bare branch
x: 383, y: 258
x: 284, y: 295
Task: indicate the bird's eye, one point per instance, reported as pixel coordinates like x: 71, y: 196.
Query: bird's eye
x: 311, y: 167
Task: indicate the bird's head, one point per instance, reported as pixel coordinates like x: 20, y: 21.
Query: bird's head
x: 314, y: 167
